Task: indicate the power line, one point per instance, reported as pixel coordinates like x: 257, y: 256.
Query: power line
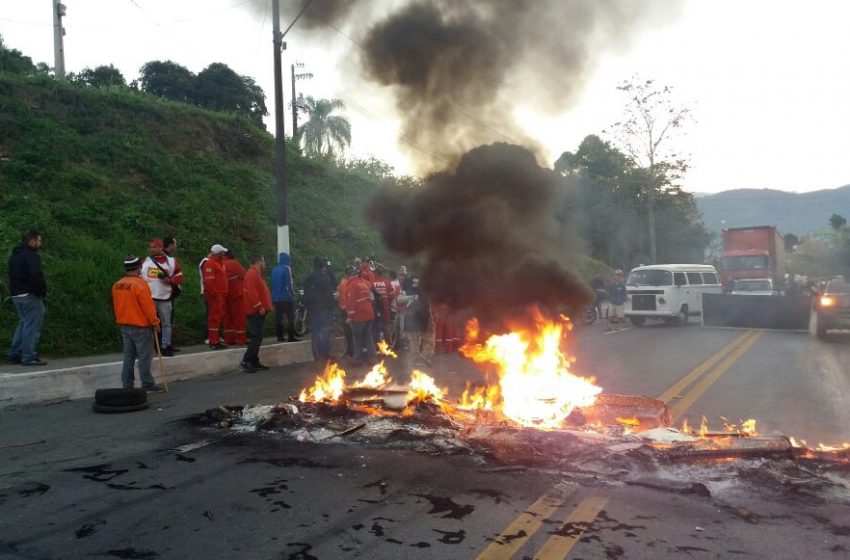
x: 163, y: 28
x: 262, y: 28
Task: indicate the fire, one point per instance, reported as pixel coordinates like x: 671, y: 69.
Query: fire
x: 385, y: 350
x: 422, y: 388
x: 376, y: 378
x: 536, y: 387
x: 328, y: 387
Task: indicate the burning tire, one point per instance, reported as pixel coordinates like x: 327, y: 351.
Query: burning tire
x: 120, y: 397
x: 104, y: 409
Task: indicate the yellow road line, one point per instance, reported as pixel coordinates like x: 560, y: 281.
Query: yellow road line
x: 558, y: 546
x: 698, y: 371
x: 690, y: 398
x: 515, y: 535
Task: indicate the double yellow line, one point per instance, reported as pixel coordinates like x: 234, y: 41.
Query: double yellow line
x: 684, y: 392
x: 691, y: 387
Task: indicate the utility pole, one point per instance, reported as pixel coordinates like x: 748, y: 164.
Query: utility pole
x: 302, y: 76
x: 58, y: 43
x: 280, y: 139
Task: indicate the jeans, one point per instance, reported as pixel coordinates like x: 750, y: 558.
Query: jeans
x: 256, y: 322
x: 321, y: 321
x: 284, y: 309
x: 30, y: 310
x: 163, y: 311
x: 364, y: 345
x: 138, y: 343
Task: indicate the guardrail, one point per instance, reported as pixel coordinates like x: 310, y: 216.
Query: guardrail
x: 756, y: 312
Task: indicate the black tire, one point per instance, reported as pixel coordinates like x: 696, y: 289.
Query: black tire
x: 302, y: 324
x: 104, y: 409
x: 120, y: 397
x: 588, y: 316
x: 637, y: 321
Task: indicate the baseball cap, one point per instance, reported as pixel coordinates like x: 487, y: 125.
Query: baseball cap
x: 131, y: 262
x: 216, y: 249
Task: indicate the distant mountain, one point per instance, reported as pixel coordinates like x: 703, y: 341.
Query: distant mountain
x: 790, y: 212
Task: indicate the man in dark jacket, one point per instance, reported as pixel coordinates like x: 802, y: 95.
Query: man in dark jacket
x: 283, y: 297
x: 321, y: 304
x: 26, y: 282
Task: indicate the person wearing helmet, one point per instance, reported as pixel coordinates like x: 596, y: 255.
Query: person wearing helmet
x: 321, y: 305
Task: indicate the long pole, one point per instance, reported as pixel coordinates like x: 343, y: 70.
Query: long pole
x: 58, y: 41
x: 280, y: 138
x: 294, y: 106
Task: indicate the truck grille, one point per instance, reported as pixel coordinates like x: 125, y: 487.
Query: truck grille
x: 643, y: 302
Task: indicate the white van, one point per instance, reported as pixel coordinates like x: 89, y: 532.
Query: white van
x: 672, y: 292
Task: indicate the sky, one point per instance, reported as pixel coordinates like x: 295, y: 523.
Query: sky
x: 768, y: 81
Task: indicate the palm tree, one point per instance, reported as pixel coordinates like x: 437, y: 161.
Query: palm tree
x: 323, y: 131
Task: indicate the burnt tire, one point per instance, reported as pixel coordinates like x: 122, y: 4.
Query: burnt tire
x: 120, y: 397
x: 104, y: 409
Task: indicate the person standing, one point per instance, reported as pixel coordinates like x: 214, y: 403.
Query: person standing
x: 383, y: 288
x: 359, y: 315
x: 341, y: 295
x: 205, y: 329
x: 28, y: 289
x: 169, y: 248
x: 215, y: 294
x: 257, y: 302
x: 320, y: 302
x: 283, y: 298
x: 136, y: 316
x: 160, y: 272
x: 234, y: 314
x: 418, y: 322
x: 617, y: 296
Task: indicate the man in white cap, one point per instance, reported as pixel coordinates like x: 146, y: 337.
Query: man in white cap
x: 215, y: 293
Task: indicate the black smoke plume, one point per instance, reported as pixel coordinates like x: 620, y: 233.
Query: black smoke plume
x: 486, y: 234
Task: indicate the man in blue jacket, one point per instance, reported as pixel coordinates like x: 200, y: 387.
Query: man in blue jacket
x: 283, y: 297
x: 26, y: 282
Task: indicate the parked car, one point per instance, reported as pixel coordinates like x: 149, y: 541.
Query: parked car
x: 672, y: 292
x: 831, y: 308
x: 754, y: 287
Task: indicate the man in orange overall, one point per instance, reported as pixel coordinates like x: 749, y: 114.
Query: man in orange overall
x: 215, y: 293
x: 234, y: 313
x: 136, y: 316
x: 359, y: 315
x: 257, y: 302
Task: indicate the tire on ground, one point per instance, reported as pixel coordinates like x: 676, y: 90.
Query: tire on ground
x: 104, y: 409
x: 120, y: 397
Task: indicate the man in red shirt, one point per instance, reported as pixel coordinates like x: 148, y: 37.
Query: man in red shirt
x: 359, y: 314
x: 383, y: 286
x: 215, y: 293
x: 257, y: 302
x: 162, y: 273
x: 234, y: 314
x: 136, y: 316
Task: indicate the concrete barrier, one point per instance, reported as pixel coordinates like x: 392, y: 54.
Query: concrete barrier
x: 756, y: 312
x: 62, y: 384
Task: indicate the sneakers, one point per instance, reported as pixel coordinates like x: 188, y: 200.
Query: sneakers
x: 154, y: 389
x: 218, y: 346
x: 168, y: 351
x: 247, y: 368
x: 35, y: 362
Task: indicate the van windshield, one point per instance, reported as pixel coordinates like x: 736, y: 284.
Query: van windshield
x: 650, y: 278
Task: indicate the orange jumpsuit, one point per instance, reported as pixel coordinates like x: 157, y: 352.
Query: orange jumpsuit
x: 215, y: 294
x: 234, y: 314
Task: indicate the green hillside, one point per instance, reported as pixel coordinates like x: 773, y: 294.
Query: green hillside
x: 100, y: 171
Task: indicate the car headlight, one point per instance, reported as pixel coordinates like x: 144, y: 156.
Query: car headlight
x: 826, y: 301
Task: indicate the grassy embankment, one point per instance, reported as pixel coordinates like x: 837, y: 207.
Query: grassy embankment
x: 100, y: 171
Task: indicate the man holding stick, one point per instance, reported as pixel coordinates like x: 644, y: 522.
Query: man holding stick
x: 136, y: 316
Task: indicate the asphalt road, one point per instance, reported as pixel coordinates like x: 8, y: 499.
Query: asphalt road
x: 151, y: 485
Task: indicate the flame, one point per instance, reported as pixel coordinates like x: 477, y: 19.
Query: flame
x: 422, y: 388
x: 536, y: 387
x: 376, y: 378
x: 328, y: 387
x: 385, y: 350
x: 480, y: 398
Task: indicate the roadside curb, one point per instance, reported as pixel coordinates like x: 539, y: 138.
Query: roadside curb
x: 63, y: 384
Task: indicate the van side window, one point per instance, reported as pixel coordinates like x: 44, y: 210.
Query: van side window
x: 679, y: 279
x: 694, y: 278
x: 710, y: 278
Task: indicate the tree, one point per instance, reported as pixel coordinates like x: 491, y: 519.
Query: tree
x: 14, y: 61
x: 791, y: 242
x: 837, y: 221
x: 167, y: 79
x: 218, y: 87
x: 323, y: 130
x: 100, y: 76
x: 650, y: 122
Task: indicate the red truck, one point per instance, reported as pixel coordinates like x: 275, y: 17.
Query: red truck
x: 753, y: 252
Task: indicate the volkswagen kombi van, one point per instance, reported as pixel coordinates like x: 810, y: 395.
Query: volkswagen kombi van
x: 672, y: 292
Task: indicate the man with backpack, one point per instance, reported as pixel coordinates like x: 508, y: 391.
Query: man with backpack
x: 162, y: 274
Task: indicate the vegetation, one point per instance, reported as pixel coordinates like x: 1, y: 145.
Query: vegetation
x: 324, y: 134
x: 100, y: 170
x: 824, y: 253
x: 611, y: 206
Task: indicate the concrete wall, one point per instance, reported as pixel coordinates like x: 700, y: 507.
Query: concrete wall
x: 54, y: 385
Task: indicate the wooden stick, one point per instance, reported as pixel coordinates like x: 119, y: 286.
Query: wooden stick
x: 161, y: 361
